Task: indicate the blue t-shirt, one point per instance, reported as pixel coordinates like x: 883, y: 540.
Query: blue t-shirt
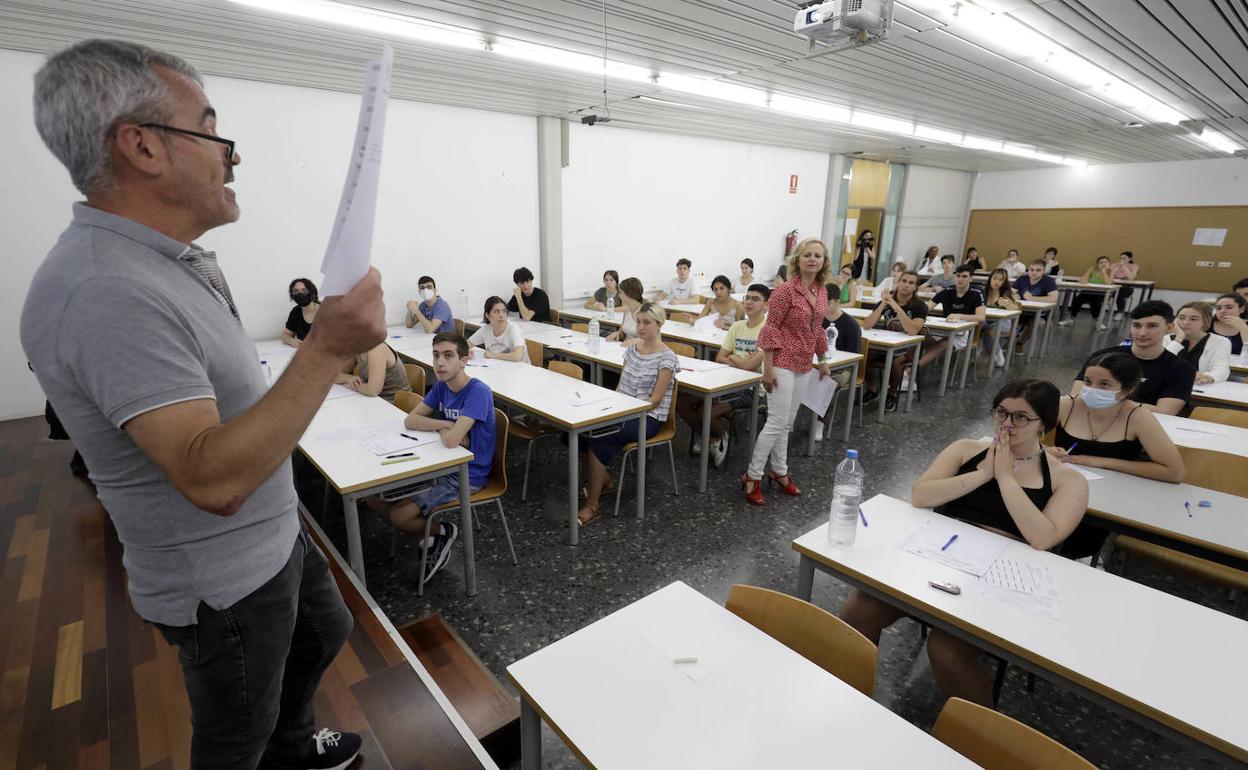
x: 1046, y: 286
x: 441, y: 312
x: 474, y: 400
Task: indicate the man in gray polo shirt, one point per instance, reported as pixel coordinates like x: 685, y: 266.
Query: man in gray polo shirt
x: 133, y: 334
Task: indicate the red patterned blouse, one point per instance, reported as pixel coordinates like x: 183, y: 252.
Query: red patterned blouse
x: 794, y: 330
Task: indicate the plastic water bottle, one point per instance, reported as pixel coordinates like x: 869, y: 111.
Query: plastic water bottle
x: 463, y: 303
x: 268, y: 373
x: 610, y: 307
x: 846, y: 497
x: 594, y: 342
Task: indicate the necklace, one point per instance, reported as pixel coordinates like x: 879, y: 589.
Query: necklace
x: 1028, y: 458
x: 1092, y: 428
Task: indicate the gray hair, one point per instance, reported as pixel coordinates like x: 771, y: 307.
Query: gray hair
x: 83, y: 92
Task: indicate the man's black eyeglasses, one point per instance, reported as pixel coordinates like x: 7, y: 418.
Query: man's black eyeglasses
x: 229, y: 143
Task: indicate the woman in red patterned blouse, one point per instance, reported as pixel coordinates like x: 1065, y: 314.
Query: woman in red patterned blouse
x: 791, y: 338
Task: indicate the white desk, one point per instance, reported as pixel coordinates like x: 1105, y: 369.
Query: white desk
x: 1231, y: 394
x: 1172, y: 665
x: 706, y: 343
x: 1069, y: 289
x: 1239, y: 364
x: 892, y: 343
x: 542, y: 392
x: 717, y: 381
x: 618, y: 702
x: 1154, y: 511
x: 937, y: 327
x: 1198, y: 434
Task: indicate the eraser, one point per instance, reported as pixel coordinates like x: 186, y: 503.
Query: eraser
x: 1204, y: 504
x: 685, y: 660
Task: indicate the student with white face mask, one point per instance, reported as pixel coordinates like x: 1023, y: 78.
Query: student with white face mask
x: 431, y: 312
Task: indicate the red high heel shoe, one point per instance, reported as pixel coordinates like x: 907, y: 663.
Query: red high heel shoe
x: 754, y: 494
x: 788, y: 487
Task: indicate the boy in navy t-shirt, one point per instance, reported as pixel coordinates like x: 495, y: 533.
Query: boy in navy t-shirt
x: 461, y: 409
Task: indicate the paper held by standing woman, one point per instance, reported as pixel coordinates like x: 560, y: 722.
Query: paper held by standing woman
x: 347, y: 256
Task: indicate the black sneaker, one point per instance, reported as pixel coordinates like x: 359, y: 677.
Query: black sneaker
x: 890, y: 405
x: 871, y: 396
x: 332, y: 750
x: 440, y: 551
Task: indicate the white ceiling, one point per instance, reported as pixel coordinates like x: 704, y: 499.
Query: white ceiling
x: 1195, y: 60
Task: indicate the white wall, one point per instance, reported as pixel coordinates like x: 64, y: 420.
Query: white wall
x: 458, y: 201
x: 933, y: 213
x: 637, y: 201
x: 1217, y: 182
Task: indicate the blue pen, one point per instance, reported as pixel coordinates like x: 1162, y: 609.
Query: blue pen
x: 946, y: 545
x: 862, y: 516
x: 1188, y: 507
x: 1071, y: 451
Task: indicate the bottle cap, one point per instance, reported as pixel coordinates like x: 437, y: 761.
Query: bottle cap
x: 851, y: 454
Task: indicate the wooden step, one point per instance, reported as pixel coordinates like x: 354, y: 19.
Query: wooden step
x: 490, y: 711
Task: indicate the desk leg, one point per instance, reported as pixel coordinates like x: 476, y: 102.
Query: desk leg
x: 355, y: 548
x: 884, y: 381
x: 574, y: 459
x: 996, y: 345
x: 753, y: 418
x: 707, y: 403
x: 641, y: 465
x: 914, y: 375
x: 944, y: 369
x: 530, y: 736
x: 465, y: 531
x: 805, y: 577
x: 849, y: 406
x: 1015, y: 330
x: 1033, y: 345
x: 966, y: 359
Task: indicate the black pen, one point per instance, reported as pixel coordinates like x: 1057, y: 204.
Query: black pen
x: 405, y: 454
x: 413, y: 438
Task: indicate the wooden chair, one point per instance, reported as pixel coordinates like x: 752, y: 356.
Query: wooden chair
x: 994, y: 741
x: 582, y: 328
x: 1221, y: 416
x: 811, y: 631
x: 537, y: 352
x: 554, y: 316
x: 459, y: 326
x: 665, y: 435
x: 532, y: 431
x: 492, y: 492
x: 406, y: 400
x: 684, y: 318
x: 682, y: 349
x: 1220, y: 471
x: 415, y: 378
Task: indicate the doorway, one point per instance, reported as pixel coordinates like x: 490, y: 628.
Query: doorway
x: 856, y: 221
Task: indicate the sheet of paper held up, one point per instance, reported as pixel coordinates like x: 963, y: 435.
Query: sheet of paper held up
x: 350, y: 246
x: 974, y: 551
x: 819, y: 394
x: 1026, y: 586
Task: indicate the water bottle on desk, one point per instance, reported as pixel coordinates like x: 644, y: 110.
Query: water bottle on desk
x: 846, y: 498
x: 268, y: 373
x: 610, y: 307
x: 594, y: 342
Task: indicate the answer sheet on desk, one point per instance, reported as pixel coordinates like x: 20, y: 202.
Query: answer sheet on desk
x: 973, y: 552
x: 1023, y: 585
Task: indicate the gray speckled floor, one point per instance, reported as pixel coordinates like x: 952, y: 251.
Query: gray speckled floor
x: 714, y: 540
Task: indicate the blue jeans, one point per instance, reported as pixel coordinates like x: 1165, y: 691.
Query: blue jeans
x: 251, y: 669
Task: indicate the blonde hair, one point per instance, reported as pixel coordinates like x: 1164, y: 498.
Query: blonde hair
x: 1205, y: 310
x: 653, y: 310
x: 795, y: 271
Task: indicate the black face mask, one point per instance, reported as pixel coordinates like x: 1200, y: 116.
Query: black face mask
x: 301, y: 298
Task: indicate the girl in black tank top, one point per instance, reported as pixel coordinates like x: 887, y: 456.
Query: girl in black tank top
x: 984, y: 504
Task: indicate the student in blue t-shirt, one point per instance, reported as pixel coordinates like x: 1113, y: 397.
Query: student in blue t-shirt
x: 1036, y: 286
x: 462, y: 410
x: 431, y: 312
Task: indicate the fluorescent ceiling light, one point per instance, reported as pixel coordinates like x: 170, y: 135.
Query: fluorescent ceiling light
x: 981, y: 143
x: 882, y: 123
x: 714, y: 89
x: 1048, y: 157
x: 1019, y: 150
x: 1217, y: 141
x: 570, y: 60
x: 372, y: 20
x: 670, y: 103
x: 808, y: 108
x: 937, y: 134
x: 1075, y: 162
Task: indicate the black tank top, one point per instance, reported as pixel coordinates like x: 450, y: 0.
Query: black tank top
x: 984, y: 504
x: 1124, y: 449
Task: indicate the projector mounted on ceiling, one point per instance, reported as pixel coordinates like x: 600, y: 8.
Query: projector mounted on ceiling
x: 844, y: 23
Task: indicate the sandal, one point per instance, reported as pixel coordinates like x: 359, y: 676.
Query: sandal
x: 609, y: 486
x: 584, y: 521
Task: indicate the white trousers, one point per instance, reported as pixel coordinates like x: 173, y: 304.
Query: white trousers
x: 782, y: 405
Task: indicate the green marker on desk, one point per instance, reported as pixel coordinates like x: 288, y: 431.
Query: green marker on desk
x: 401, y: 460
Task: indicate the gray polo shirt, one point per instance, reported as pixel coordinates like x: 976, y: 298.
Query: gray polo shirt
x: 118, y: 322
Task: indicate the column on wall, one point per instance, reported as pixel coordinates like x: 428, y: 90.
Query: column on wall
x: 551, y: 158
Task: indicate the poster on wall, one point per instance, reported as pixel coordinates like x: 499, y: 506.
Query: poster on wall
x: 1209, y: 236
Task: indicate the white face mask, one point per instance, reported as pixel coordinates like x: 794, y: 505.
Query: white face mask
x: 426, y: 295
x: 1096, y: 398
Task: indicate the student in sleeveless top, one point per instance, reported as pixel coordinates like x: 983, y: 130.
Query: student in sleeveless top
x: 381, y: 373
x: 1007, y: 484
x: 723, y: 306
x: 631, y: 297
x: 1104, y: 428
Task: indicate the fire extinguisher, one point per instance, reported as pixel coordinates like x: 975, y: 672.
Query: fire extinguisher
x: 790, y: 242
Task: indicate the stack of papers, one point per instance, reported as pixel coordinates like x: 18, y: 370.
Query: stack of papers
x: 973, y: 551
x: 700, y: 365
x: 587, y: 397
x: 1025, y: 586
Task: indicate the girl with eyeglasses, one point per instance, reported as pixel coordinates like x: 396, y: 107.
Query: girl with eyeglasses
x: 1007, y: 484
x: 299, y: 322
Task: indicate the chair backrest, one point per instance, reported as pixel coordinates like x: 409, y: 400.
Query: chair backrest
x: 498, y: 468
x: 667, y: 431
x: 459, y: 326
x: 537, y: 351
x: 996, y: 742
x: 862, y: 366
x: 406, y: 400
x: 582, y: 328
x: 554, y: 316
x: 415, y: 377
x: 1221, y: 416
x: 682, y: 349
x: 1221, y: 471
x: 811, y: 631
x: 684, y: 318
x: 567, y: 369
